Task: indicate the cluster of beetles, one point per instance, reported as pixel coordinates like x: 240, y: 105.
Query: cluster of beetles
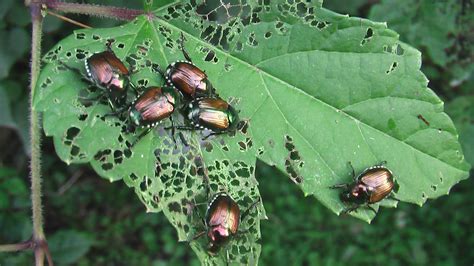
x: 189, y: 91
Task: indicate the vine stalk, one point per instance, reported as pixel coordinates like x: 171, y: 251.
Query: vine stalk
x: 38, y: 241
x: 35, y: 132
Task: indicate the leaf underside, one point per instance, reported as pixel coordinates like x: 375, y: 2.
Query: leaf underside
x: 317, y: 90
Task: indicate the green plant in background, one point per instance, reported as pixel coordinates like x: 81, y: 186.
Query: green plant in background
x: 330, y: 50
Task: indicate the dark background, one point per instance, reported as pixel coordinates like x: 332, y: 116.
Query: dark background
x: 90, y: 221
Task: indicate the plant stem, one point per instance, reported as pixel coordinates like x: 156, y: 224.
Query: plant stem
x: 40, y: 244
x: 119, y: 13
x: 16, y: 247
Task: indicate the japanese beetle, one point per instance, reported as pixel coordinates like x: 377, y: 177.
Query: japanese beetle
x: 212, y: 114
x: 190, y: 80
x: 222, y: 221
x: 372, y: 185
x: 105, y: 71
x: 151, y: 107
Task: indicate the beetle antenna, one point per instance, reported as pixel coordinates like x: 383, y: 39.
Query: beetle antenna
x: 183, y: 50
x: 157, y: 68
x: 198, y: 235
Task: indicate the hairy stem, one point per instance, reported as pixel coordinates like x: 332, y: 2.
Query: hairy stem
x: 40, y: 245
x: 119, y: 13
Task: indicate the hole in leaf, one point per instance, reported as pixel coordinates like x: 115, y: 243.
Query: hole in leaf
x: 75, y: 150
x: 80, y: 36
x: 101, y: 156
x: 399, y: 50
x: 133, y: 177
x: 72, y: 132
x: 118, y: 157
x: 210, y: 56
x: 392, y: 68
x: 174, y: 207
x: 107, y: 166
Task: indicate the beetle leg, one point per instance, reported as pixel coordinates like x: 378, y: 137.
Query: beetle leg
x: 77, y: 71
x: 185, y: 128
x: 70, y: 67
x: 118, y: 111
x: 214, y: 134
x: 198, y: 235
x: 372, y: 208
x: 133, y: 87
x: 183, y: 140
x: 111, y: 104
x: 92, y: 99
x: 173, y: 131
x: 345, y: 186
x: 186, y: 55
x: 157, y: 68
x: 141, y: 136
x: 211, y: 92
x: 198, y: 213
x: 247, y: 211
x: 130, y: 128
x: 392, y: 196
x: 350, y: 209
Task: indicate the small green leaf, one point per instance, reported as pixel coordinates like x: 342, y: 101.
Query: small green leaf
x: 13, y: 45
x: 16, y: 186
x: 5, y: 7
x: 15, y: 107
x: 68, y: 246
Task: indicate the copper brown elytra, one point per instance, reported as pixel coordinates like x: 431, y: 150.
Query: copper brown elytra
x: 187, y: 78
x: 372, y: 185
x: 222, y: 221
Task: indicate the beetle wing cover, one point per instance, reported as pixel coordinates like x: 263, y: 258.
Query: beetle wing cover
x: 224, y: 212
x: 213, y: 103
x: 214, y: 119
x: 380, y: 180
x: 154, y: 105
x: 116, y: 64
x: 100, y: 69
x: 188, y: 78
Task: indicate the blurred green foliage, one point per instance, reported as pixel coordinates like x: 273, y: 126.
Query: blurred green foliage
x: 90, y: 221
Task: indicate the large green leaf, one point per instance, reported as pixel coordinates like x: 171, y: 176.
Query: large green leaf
x: 317, y: 89
x: 68, y: 246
